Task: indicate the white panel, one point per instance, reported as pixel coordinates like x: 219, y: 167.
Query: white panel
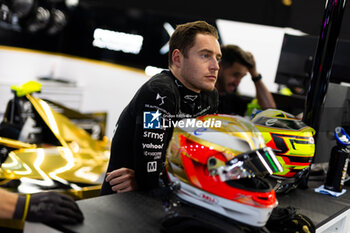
x: 339, y: 224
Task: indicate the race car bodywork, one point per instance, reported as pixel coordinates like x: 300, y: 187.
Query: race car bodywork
x: 43, y: 150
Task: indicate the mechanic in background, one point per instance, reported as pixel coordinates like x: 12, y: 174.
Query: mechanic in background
x: 234, y: 65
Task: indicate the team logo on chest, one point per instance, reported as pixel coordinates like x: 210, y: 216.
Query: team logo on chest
x: 191, y: 97
x: 161, y: 98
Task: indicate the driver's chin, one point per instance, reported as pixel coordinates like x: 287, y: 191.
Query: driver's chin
x: 208, y: 87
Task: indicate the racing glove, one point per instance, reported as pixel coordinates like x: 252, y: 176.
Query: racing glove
x: 48, y: 207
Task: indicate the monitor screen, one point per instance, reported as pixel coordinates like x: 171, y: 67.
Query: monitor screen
x: 335, y: 112
x: 296, y: 59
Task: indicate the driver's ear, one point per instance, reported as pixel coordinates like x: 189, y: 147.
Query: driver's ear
x: 177, y: 57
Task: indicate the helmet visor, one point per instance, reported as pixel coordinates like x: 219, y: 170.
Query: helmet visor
x: 247, y: 165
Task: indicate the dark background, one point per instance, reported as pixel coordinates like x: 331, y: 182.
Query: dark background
x: 146, y: 18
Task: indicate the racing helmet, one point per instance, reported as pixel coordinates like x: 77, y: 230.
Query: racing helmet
x: 293, y: 143
x: 218, y: 163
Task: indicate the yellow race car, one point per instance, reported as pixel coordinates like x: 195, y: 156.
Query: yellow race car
x: 41, y: 149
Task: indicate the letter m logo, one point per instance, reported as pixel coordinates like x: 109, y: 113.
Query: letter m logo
x: 152, y: 166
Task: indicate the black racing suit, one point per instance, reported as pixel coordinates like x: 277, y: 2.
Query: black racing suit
x: 138, y: 146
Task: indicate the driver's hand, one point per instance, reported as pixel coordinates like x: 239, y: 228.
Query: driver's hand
x: 253, y: 71
x: 122, y: 180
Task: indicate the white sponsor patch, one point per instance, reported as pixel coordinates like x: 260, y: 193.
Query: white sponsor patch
x: 155, y: 155
x: 153, y: 135
x: 152, y: 166
x: 152, y: 146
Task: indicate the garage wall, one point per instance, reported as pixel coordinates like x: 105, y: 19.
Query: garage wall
x: 95, y: 86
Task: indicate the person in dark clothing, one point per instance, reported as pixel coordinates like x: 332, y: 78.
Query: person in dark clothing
x: 145, y: 126
x: 234, y: 65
